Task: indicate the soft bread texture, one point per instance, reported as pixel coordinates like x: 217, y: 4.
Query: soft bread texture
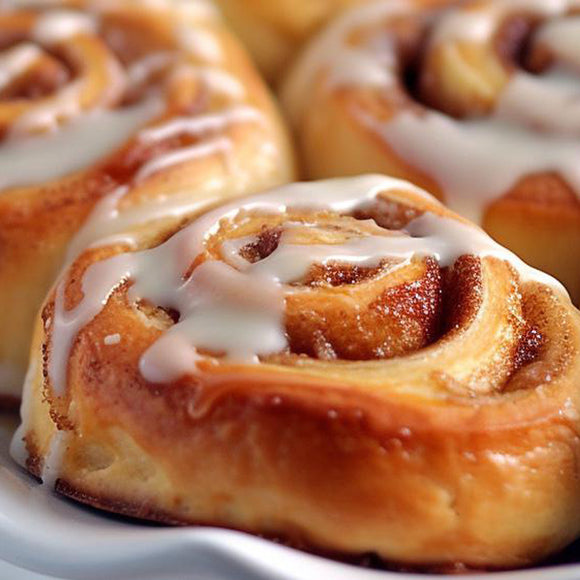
x: 450, y: 99
x: 424, y: 409
x: 210, y: 131
x: 275, y: 31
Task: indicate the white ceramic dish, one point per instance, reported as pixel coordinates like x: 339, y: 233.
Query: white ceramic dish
x: 43, y: 536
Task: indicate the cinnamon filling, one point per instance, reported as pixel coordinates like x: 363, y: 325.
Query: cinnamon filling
x: 342, y: 311
x: 43, y: 77
x: 267, y: 242
x: 340, y: 274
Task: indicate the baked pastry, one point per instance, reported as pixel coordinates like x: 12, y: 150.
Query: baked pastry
x: 275, y: 31
x: 477, y: 103
x: 344, y: 364
x: 112, y: 113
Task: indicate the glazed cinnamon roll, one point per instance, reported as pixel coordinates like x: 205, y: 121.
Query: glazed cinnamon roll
x: 344, y: 364
x: 275, y: 31
x: 478, y: 103
x: 114, y: 113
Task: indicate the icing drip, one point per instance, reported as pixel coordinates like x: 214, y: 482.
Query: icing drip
x: 18, y: 449
x: 561, y: 36
x: 476, y: 161
x: 57, y: 449
x: 546, y: 103
x: 51, y: 465
x: 236, y: 308
x: 92, y: 135
x: 15, y: 61
x: 479, y: 24
x: 210, y: 147
x: 200, y: 42
x: 194, y: 127
x: 534, y: 128
x: 30, y: 159
x: 41, y: 158
x: 112, y: 339
x: 215, y: 79
x: 140, y: 71
x: 53, y: 28
x: 87, y: 137
x: 107, y: 221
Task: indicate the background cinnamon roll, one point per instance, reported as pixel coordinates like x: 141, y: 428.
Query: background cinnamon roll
x: 114, y: 113
x: 275, y: 31
x: 345, y: 364
x: 479, y: 103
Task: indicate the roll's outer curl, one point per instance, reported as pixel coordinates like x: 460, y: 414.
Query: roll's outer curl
x: 475, y: 102
x: 451, y: 439
x: 115, y: 113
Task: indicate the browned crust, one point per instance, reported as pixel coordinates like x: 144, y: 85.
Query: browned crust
x: 303, y: 406
x: 148, y: 512
x: 121, y: 506
x: 142, y: 512
x: 344, y: 466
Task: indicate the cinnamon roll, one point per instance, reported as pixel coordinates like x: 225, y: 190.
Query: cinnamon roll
x: 114, y: 113
x: 344, y: 364
x: 275, y: 31
x: 479, y: 103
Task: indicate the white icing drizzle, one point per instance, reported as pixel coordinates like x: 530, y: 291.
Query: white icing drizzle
x: 221, y: 145
x: 54, y: 27
x: 550, y: 102
x: 80, y: 143
x: 216, y: 79
x: 200, y: 42
x: 561, y: 37
x: 18, y: 446
x: 52, y: 461
x: 345, y: 64
x: 194, y: 127
x: 41, y: 158
x: 107, y: 222
x: 200, y: 124
x: 16, y: 60
x: 140, y: 71
x: 64, y: 107
x: 239, y: 311
x: 476, y: 161
x: 535, y: 126
x: 27, y: 159
x: 57, y: 26
x: 480, y: 23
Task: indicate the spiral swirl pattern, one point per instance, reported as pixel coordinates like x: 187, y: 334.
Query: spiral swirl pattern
x: 477, y: 103
x: 112, y: 115
x: 348, y: 347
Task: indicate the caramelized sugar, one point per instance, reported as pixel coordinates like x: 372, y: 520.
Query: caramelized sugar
x: 366, y: 318
x: 266, y: 243
x: 334, y: 274
x: 388, y: 214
